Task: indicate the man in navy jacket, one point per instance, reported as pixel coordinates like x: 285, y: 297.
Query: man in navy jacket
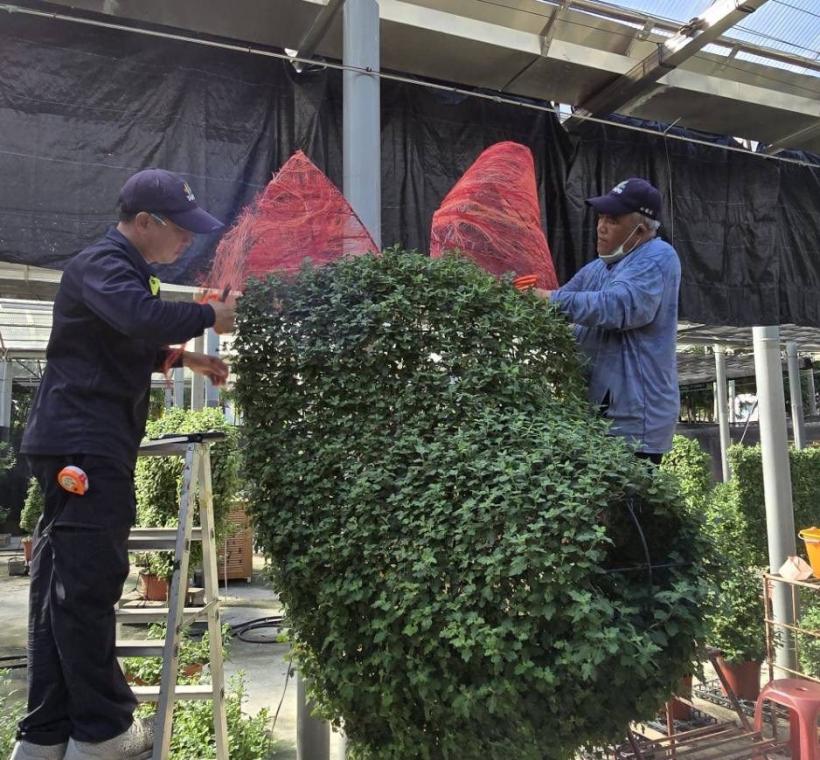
x: 624, y: 305
x: 110, y: 332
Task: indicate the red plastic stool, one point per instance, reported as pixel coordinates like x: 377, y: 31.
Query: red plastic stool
x: 803, y: 700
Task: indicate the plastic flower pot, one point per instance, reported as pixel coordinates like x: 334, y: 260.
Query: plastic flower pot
x: 742, y: 677
x: 152, y: 588
x: 27, y: 543
x: 811, y: 538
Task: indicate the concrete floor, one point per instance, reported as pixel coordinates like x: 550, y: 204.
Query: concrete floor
x: 265, y: 665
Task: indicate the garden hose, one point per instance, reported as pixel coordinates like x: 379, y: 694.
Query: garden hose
x: 241, y: 629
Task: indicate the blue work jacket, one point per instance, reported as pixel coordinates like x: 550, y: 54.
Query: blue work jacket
x: 109, y: 333
x: 626, y: 317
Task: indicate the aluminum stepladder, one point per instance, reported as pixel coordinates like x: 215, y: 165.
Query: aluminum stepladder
x: 195, y: 448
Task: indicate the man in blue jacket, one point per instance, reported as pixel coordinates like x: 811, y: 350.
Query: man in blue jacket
x: 625, y: 309
x: 110, y: 332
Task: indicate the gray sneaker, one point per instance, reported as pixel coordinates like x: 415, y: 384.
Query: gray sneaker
x: 28, y: 751
x: 137, y: 743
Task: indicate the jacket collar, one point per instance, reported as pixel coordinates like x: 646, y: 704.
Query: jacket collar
x: 122, y: 242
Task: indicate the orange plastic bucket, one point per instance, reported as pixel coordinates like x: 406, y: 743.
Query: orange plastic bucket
x: 811, y: 537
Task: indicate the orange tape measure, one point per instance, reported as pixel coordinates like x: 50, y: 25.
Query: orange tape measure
x: 72, y: 479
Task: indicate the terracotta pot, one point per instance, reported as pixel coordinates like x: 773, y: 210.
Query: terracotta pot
x: 679, y: 710
x: 742, y: 677
x: 195, y: 668
x: 152, y: 588
x: 27, y: 543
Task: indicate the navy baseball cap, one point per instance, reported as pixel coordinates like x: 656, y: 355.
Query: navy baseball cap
x: 633, y: 194
x: 163, y: 192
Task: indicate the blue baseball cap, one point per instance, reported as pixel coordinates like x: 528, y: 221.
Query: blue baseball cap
x: 163, y: 192
x: 633, y: 194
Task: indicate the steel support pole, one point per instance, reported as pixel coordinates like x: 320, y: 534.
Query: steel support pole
x: 179, y: 387
x: 811, y: 392
x: 212, y: 349
x: 777, y: 482
x: 722, y: 410
x: 5, y: 397
x: 198, y: 381
x: 361, y: 122
x: 732, y: 402
x: 312, y: 734
x: 795, y: 396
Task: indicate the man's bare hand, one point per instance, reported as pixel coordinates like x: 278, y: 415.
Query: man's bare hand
x: 211, y: 367
x: 541, y: 293
x: 224, y: 311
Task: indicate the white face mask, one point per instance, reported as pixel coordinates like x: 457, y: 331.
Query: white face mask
x: 619, y: 252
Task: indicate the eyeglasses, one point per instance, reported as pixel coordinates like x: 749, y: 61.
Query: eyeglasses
x: 157, y: 218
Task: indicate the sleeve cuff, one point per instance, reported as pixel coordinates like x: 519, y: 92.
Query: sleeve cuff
x: 210, y: 315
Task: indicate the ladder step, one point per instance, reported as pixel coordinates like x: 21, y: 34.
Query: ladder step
x: 154, y: 539
x: 140, y: 647
x: 138, y: 615
x: 196, y: 691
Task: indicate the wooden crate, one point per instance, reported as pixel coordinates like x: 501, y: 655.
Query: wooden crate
x: 235, y: 555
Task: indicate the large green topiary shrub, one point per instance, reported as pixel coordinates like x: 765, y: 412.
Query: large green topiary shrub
x: 450, y: 526
x: 158, y: 480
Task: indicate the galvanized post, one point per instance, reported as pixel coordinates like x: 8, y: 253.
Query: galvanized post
x: 795, y: 396
x: 312, y: 734
x: 212, y: 348
x: 197, y: 381
x: 722, y: 410
x: 811, y: 391
x: 777, y: 482
x: 179, y: 387
x: 6, y: 381
x: 361, y: 122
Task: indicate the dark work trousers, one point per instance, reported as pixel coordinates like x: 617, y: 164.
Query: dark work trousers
x: 78, y: 568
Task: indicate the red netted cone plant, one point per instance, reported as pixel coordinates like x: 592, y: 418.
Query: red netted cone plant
x: 492, y: 216
x: 300, y: 215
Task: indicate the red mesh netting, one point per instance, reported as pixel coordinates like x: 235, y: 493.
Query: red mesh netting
x: 492, y: 215
x: 300, y: 215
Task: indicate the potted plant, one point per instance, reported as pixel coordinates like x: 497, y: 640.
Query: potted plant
x: 158, y: 482
x: 735, y: 605
x: 30, y: 516
x: 194, y: 654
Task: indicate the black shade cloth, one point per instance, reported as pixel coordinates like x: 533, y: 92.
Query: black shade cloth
x: 82, y: 108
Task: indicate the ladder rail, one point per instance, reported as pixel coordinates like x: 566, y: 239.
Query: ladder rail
x: 196, y: 489
x: 163, y: 720
x: 211, y: 583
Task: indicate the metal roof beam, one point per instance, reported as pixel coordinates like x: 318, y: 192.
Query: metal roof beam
x: 788, y: 140
x: 314, y: 35
x: 702, y: 30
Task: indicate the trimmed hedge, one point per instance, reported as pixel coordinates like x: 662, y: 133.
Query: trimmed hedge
x: 747, y: 472
x: 450, y: 526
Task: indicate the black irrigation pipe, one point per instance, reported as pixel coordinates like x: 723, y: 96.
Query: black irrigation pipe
x: 241, y: 629
x: 18, y: 662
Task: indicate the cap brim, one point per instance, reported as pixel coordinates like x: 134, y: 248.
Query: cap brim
x: 609, y: 204
x: 195, y: 220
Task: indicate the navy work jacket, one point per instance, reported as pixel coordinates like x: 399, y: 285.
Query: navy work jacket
x: 109, y: 333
